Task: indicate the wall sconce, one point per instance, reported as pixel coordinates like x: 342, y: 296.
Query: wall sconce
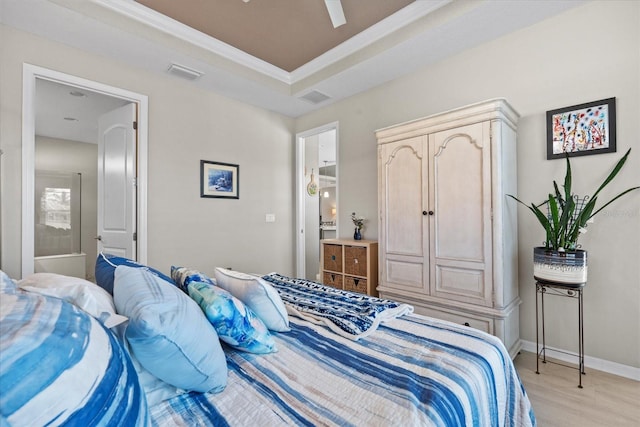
x: 326, y: 194
x: 333, y: 211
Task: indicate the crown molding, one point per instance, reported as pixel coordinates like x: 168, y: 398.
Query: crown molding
x: 378, y: 31
x: 160, y: 22
x: 387, y: 26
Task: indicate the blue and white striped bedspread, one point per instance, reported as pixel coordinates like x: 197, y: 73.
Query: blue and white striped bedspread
x: 350, y: 314
x: 413, y: 371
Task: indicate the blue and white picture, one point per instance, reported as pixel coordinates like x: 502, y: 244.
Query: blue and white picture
x: 218, y: 179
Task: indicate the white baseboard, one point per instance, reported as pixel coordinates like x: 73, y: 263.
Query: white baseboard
x: 589, y: 362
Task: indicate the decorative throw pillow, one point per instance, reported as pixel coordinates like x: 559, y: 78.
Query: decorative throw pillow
x: 106, y: 266
x: 156, y: 390
x: 182, y: 276
x: 58, y: 365
x: 168, y: 333
x: 79, y: 292
x: 7, y: 284
x: 256, y: 294
x: 235, y: 323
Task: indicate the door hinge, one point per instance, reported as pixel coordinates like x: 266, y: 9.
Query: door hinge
x: 135, y: 236
x: 135, y: 125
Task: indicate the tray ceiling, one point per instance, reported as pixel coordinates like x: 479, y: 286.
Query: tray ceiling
x: 239, y: 65
x: 284, y: 33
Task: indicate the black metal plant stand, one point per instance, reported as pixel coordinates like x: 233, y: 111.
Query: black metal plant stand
x: 569, y: 291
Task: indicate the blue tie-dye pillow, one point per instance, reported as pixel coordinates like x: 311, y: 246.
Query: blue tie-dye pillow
x: 234, y: 322
x: 7, y: 285
x: 59, y: 365
x: 182, y: 276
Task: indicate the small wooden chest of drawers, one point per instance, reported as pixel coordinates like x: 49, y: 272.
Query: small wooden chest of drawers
x: 332, y: 257
x: 351, y: 265
x: 332, y: 279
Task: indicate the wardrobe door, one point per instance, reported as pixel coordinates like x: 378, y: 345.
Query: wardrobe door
x: 403, y: 227
x: 460, y: 228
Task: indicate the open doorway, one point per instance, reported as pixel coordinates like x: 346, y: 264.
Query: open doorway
x: 316, y: 196
x: 40, y: 87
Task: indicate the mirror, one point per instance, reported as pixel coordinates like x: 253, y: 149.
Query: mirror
x: 327, y: 194
x: 317, y: 197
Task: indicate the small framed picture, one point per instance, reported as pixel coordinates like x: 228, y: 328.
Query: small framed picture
x: 219, y: 180
x: 582, y: 129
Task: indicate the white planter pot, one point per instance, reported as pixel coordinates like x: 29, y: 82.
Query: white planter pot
x: 568, y: 268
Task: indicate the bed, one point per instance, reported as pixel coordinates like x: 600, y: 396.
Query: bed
x: 403, y: 370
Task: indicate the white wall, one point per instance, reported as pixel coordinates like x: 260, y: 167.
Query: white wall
x: 185, y: 126
x: 589, y: 53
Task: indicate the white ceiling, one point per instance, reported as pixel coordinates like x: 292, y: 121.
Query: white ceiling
x: 422, y: 33
x: 66, y: 112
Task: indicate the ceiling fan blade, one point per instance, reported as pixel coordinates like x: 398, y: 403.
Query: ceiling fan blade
x: 334, y: 7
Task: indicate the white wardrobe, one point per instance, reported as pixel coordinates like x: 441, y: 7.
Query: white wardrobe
x: 447, y: 232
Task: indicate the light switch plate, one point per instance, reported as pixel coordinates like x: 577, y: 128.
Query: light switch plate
x: 270, y: 218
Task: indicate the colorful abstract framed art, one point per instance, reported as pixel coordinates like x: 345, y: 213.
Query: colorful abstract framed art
x: 219, y: 180
x: 583, y: 129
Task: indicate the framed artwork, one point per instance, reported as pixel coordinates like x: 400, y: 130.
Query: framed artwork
x: 219, y: 180
x: 582, y: 129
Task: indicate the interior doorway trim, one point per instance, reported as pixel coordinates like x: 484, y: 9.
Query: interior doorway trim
x: 29, y: 75
x: 301, y: 190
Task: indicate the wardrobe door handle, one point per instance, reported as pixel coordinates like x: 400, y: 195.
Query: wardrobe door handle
x: 430, y: 213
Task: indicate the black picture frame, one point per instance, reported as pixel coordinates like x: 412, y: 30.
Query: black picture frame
x: 219, y: 180
x: 581, y: 130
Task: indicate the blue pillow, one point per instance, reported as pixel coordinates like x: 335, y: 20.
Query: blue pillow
x: 182, y: 276
x: 59, y: 365
x: 167, y: 332
x: 106, y: 265
x: 235, y: 323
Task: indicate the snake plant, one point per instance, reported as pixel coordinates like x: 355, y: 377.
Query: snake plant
x: 567, y: 215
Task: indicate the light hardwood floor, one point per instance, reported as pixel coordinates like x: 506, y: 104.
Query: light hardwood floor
x: 606, y: 400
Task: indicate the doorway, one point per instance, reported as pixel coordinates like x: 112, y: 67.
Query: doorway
x: 316, y: 196
x: 34, y: 77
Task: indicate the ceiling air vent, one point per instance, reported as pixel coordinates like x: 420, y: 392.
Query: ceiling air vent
x: 315, y: 97
x: 184, y: 72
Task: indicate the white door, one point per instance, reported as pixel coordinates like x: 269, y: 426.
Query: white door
x: 403, y: 231
x: 460, y: 198
x: 117, y: 182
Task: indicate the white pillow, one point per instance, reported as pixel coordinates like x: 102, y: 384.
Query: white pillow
x: 256, y: 294
x: 79, y: 292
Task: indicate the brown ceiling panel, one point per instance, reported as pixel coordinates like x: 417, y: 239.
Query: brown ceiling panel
x: 285, y: 33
